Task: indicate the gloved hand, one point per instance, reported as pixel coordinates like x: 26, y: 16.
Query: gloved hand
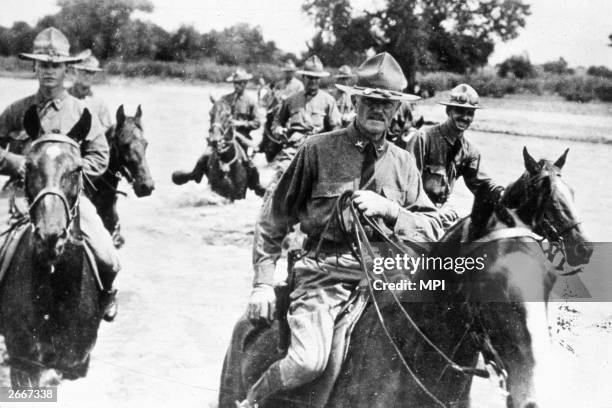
x: 373, y: 205
x: 238, y: 122
x: 280, y: 131
x: 262, y: 304
x: 13, y: 165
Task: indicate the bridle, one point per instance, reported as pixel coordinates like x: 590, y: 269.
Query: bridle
x: 228, y: 145
x: 71, y: 211
x: 361, y: 249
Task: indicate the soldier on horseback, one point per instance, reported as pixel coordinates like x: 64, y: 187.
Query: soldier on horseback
x: 443, y: 154
x: 58, y: 112
x: 245, y: 120
x: 343, y: 99
x: 388, y: 187
x: 289, y: 84
x: 84, y: 75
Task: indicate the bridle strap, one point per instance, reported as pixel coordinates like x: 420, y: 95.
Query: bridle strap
x: 52, y: 191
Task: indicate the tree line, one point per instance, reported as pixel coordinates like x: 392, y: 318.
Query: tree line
x: 108, y: 29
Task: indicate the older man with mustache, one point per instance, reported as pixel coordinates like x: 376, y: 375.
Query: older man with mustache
x: 387, y: 186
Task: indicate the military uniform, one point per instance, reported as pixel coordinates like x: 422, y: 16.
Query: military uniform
x: 95, y: 104
x: 59, y: 116
x: 286, y: 89
x: 243, y: 108
x: 326, y: 166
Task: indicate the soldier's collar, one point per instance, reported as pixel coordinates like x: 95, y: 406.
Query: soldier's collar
x: 56, y: 102
x: 448, y: 134
x: 360, y: 141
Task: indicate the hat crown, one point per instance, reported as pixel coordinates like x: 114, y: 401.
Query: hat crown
x: 313, y: 64
x: 289, y: 65
x: 381, y: 72
x: 345, y: 70
x: 52, y: 42
x: 239, y: 75
x: 463, y: 94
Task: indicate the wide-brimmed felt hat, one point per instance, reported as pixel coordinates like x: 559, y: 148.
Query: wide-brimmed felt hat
x: 289, y: 65
x: 463, y: 96
x: 313, y: 67
x: 239, y: 75
x: 51, y: 45
x: 344, y: 72
x: 380, y: 77
x: 89, y: 64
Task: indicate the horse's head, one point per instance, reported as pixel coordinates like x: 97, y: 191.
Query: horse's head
x: 220, y: 135
x: 53, y: 182
x: 130, y: 145
x: 545, y: 202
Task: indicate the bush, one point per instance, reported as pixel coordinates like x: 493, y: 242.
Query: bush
x: 599, y: 71
x: 558, y: 67
x: 519, y: 66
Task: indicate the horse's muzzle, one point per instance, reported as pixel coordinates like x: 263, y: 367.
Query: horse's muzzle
x: 579, y: 254
x: 144, y: 188
x: 50, y: 244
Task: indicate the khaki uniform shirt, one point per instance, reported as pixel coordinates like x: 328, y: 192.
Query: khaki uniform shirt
x: 309, y: 113
x: 326, y: 166
x: 345, y: 107
x: 57, y: 116
x: 243, y: 108
x: 100, y: 109
x: 286, y: 89
x: 442, y: 159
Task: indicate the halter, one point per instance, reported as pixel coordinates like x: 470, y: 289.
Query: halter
x: 70, y: 211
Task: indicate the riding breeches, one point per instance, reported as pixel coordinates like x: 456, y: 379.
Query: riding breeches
x: 98, y: 239
x: 321, y: 290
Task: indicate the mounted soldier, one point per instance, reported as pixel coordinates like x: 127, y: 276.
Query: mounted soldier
x: 85, y: 75
x: 58, y: 112
x: 343, y: 99
x: 245, y: 120
x: 443, y: 154
x: 388, y: 187
x: 289, y: 84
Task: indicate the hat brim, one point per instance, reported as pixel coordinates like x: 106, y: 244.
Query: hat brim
x: 287, y: 69
x: 321, y: 74
x: 239, y: 79
x: 50, y: 58
x: 344, y: 76
x: 377, y: 93
x: 460, y: 105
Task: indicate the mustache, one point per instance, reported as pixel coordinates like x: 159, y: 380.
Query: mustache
x: 376, y: 116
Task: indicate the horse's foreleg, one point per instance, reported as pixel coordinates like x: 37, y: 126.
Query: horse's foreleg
x: 34, y: 377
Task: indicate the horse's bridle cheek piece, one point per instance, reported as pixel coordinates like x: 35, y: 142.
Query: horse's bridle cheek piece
x: 70, y: 211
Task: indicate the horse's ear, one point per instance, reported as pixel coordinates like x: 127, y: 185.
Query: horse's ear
x: 213, y: 100
x: 31, y: 123
x: 530, y: 164
x: 561, y: 160
x: 120, y: 116
x: 138, y: 112
x: 82, y: 127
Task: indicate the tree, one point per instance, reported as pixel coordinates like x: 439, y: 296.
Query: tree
x: 98, y: 24
x: 421, y: 34
x: 239, y: 44
x: 518, y: 65
x: 559, y: 67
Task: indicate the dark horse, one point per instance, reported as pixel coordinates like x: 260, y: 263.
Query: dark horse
x: 269, y: 99
x: 225, y: 163
x: 419, y: 348
x: 50, y: 308
x: 127, y: 159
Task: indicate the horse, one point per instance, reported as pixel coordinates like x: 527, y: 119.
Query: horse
x: 50, y: 306
x: 127, y: 160
x: 269, y: 144
x: 420, y: 348
x: 225, y: 163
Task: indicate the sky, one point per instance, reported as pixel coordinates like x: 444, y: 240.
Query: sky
x: 574, y: 29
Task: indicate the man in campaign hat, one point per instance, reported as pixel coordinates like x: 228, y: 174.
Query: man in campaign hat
x: 58, y: 112
x: 387, y: 187
x: 343, y: 100
x: 443, y: 154
x: 85, y: 74
x: 245, y: 120
x: 289, y: 84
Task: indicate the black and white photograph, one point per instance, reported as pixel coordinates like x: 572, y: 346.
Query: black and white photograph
x: 306, y: 203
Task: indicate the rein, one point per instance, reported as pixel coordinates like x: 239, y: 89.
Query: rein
x: 358, y: 235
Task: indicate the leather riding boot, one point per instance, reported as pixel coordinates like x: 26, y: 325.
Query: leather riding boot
x: 182, y: 177
x: 253, y: 178
x: 108, y: 301
x: 269, y: 383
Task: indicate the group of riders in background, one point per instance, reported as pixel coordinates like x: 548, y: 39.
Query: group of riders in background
x: 357, y: 149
